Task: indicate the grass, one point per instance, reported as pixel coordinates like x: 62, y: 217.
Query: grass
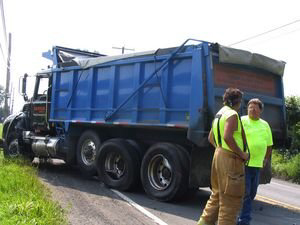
x: 286, y: 167
x: 1, y: 126
x: 23, y: 198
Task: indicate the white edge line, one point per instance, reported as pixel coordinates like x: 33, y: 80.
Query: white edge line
x: 140, y: 208
x: 283, y: 185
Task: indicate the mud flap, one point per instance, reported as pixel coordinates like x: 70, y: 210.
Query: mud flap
x: 201, y: 159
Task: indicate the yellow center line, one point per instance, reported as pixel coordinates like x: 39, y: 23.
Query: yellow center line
x: 275, y: 202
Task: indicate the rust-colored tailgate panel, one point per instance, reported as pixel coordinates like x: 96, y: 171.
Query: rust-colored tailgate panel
x: 246, y: 80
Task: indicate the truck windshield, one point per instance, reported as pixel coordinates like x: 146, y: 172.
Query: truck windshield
x: 43, y: 86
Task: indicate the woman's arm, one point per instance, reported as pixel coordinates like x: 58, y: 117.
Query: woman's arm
x: 211, y: 138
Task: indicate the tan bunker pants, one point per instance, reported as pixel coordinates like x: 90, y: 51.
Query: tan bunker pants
x: 228, y: 187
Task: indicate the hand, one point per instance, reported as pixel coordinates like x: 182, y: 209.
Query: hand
x: 245, y: 156
x: 265, y: 162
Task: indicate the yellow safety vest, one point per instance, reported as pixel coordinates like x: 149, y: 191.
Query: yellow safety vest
x: 221, y: 117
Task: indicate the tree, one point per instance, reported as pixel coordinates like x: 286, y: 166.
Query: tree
x: 293, y: 122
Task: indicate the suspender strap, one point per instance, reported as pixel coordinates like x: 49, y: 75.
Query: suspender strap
x: 218, y: 116
x: 245, y: 147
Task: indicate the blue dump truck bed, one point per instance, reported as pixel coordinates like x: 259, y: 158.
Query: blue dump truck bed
x: 177, y: 87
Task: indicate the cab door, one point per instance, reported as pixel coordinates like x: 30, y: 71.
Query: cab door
x: 41, y: 103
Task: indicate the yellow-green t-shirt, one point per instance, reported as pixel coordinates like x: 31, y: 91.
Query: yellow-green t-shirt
x: 237, y: 134
x: 259, y: 137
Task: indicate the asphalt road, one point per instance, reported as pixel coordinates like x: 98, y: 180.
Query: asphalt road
x: 288, y: 194
x: 87, y: 201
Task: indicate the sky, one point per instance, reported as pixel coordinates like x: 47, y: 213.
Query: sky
x: 98, y: 25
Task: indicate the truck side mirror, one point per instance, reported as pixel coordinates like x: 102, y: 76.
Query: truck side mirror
x: 24, y: 82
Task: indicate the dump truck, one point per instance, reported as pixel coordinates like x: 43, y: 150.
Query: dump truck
x: 141, y: 119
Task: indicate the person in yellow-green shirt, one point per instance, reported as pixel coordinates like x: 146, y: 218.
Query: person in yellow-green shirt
x: 259, y: 139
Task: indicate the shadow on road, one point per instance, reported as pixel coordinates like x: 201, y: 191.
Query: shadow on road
x: 57, y: 173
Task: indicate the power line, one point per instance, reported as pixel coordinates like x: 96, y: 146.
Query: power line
x: 278, y: 36
x: 266, y: 32
x: 4, y: 58
x: 6, y: 109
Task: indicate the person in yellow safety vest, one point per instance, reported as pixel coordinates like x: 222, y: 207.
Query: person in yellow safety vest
x: 259, y: 140
x: 228, y: 165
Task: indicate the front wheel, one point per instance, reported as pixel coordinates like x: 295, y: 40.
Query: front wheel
x: 12, y: 149
x: 88, y: 145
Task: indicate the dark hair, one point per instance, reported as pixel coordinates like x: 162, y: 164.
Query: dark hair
x: 257, y: 102
x: 232, y: 96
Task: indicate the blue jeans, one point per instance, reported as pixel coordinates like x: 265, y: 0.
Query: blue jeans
x: 252, y: 182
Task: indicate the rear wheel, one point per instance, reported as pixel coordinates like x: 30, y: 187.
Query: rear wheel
x: 139, y: 148
x: 118, y: 165
x: 164, y: 172
x: 88, y: 145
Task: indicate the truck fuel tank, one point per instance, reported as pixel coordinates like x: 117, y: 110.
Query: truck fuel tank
x: 44, y: 146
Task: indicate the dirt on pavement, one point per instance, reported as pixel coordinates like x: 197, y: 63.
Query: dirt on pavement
x: 87, y: 201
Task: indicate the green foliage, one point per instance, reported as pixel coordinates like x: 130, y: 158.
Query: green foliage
x: 293, y: 109
x: 286, y: 166
x: 293, y: 122
x: 23, y: 199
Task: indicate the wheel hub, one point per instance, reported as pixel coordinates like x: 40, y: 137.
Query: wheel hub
x: 88, y: 152
x: 166, y: 173
x: 160, y: 172
x: 13, y: 148
x: 115, y: 165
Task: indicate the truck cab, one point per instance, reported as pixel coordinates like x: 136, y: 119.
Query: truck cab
x: 28, y: 132
x: 40, y: 103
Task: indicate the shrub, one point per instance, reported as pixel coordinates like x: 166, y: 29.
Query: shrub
x: 286, y: 166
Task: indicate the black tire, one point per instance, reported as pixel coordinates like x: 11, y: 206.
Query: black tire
x: 184, y: 157
x: 118, y: 165
x: 164, y: 172
x: 186, y: 163
x: 70, y: 157
x: 87, y: 148
x: 139, y: 148
x: 12, y: 149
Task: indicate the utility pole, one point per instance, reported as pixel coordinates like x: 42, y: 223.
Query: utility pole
x: 6, y: 109
x: 12, y: 99
x: 4, y: 31
x: 123, y: 49
x: 3, y: 21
